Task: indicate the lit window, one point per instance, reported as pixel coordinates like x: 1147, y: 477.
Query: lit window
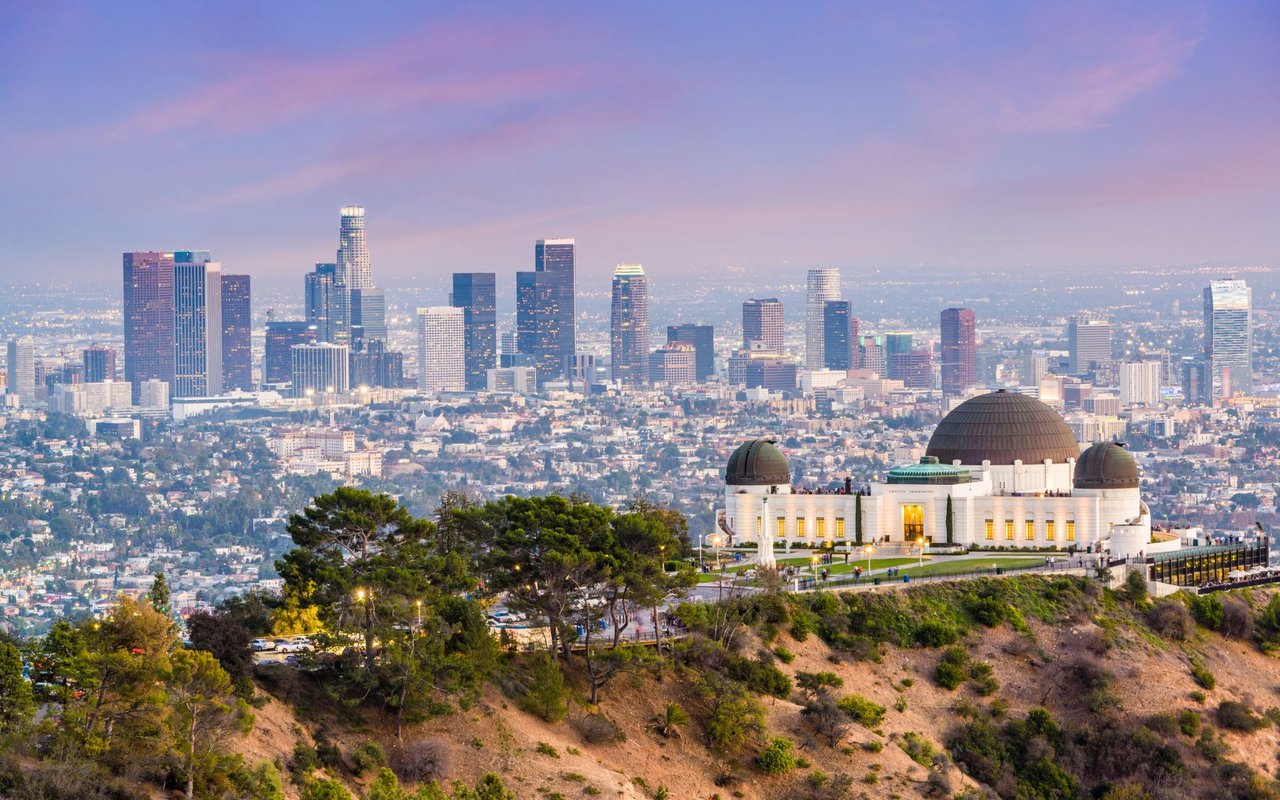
x: 839, y: 527
x: 759, y: 526
x: 1008, y: 530
x: 1048, y: 530
x: 821, y: 522
x: 799, y: 527
x: 1031, y: 530
x: 991, y: 530
x: 782, y: 527
x: 1071, y: 530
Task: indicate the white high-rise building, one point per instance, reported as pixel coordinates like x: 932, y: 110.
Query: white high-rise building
x: 1140, y: 383
x: 823, y: 284
x: 197, y: 327
x: 1228, y: 337
x: 154, y: 394
x: 629, y: 326
x: 353, y: 268
x: 21, y: 368
x: 442, y: 352
x: 320, y: 368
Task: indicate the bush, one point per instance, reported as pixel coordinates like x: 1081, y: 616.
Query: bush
x: 1237, y: 619
x: 598, y: 729
x: 1188, y: 722
x: 1135, y: 587
x: 324, y: 789
x: 952, y: 669
x: 1208, y: 611
x: 815, y: 683
x: 546, y: 695
x: 367, y: 756
x: 1236, y: 716
x: 777, y: 758
x: 759, y: 676
x: 1170, y: 619
x: 420, y: 760
x: 1202, y: 676
x: 932, y: 633
x: 826, y: 718
x: 547, y: 750
x: 736, y: 718
x: 984, y: 678
x: 784, y: 655
x: 918, y: 748
x: 865, y: 712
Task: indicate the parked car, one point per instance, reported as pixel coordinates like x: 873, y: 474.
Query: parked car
x: 259, y: 645
x: 294, y: 645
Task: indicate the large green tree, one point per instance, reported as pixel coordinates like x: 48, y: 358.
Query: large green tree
x: 16, y: 706
x: 205, y: 712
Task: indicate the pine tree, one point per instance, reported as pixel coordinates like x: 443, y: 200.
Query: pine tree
x: 951, y: 522
x: 857, y: 518
x: 159, y: 595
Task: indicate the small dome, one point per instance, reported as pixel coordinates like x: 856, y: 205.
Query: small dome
x: 757, y: 463
x: 1002, y: 427
x: 929, y: 471
x: 1106, y: 465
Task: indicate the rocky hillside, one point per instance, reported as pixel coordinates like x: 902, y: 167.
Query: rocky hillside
x: 1025, y: 687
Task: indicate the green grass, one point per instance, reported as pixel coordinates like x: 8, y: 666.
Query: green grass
x: 837, y: 566
x: 971, y: 564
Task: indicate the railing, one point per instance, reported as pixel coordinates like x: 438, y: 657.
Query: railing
x: 1210, y: 588
x: 848, y: 581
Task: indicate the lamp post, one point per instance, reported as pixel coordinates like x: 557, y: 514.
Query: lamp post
x: 869, y: 549
x: 920, y: 544
x: 813, y: 568
x: 716, y: 540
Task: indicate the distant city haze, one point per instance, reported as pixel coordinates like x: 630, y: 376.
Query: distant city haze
x: 692, y: 139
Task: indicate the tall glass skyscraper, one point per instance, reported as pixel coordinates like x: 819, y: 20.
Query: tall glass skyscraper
x: 476, y: 293
x: 325, y: 307
x: 277, y: 365
x: 1228, y: 337
x: 354, y: 268
x: 839, y: 336
x: 959, y: 350
x: 237, y: 344
x: 545, y: 321
x: 99, y: 363
x: 822, y: 285
x: 368, y: 316
x: 197, y: 326
x: 895, y: 345
x: 148, y: 318
x: 629, y: 326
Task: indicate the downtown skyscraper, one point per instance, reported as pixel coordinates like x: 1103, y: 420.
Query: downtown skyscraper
x: 545, y: 317
x: 1088, y: 345
x: 20, y: 369
x: 148, y: 318
x: 821, y: 286
x: 1228, y: 337
x: 839, y: 336
x: 326, y: 304
x: 762, y: 325
x: 197, y: 312
x: 703, y: 339
x: 959, y: 350
x: 442, y: 359
x: 237, y: 344
x: 629, y: 326
x: 477, y: 295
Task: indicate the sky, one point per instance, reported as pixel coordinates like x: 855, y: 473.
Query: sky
x: 693, y: 138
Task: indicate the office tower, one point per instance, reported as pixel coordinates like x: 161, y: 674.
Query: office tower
x: 375, y: 366
x: 368, y: 316
x: 354, y: 268
x: 512, y: 380
x: 1088, y: 345
x: 896, y: 344
x: 99, y: 363
x: 320, y: 368
x: 545, y: 322
x: 674, y: 364
x: 327, y: 304
x: 821, y: 285
x: 703, y: 339
x: 511, y: 355
x: 1140, y: 383
x: 871, y: 354
x: 629, y: 326
x: 20, y: 369
x: 1035, y: 365
x: 153, y: 393
x: 476, y: 294
x: 282, y: 335
x: 840, y: 336
x: 148, y: 318
x: 959, y: 350
x: 442, y: 355
x: 1196, y: 386
x: 1228, y: 337
x: 197, y: 343
x: 762, y: 322
x: 237, y: 329
x: 772, y: 373
x: 914, y: 367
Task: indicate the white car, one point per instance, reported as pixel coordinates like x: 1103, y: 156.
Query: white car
x: 259, y: 645
x: 298, y: 645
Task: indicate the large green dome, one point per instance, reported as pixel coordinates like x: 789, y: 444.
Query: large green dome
x: 1003, y: 427
x: 758, y: 463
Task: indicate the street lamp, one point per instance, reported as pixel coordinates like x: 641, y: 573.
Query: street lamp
x: 418, y: 603
x: 813, y: 567
x: 869, y: 549
x: 716, y: 540
x: 920, y: 544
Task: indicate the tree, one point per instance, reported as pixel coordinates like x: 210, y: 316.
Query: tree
x: 205, y: 711
x: 736, y: 719
x: 227, y: 638
x: 159, y: 594
x: 857, y: 518
x: 951, y: 522
x: 386, y: 787
x: 16, y: 706
x: 670, y: 722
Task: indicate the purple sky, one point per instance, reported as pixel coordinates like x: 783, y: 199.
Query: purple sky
x: 687, y: 137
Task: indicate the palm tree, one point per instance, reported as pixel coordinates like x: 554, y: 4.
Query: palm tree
x: 670, y: 721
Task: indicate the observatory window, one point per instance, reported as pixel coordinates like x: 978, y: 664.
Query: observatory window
x: 1071, y: 530
x: 821, y: 523
x: 1008, y: 530
x: 759, y: 526
x: 839, y: 527
x: 991, y: 530
x: 1049, y: 532
x: 799, y: 527
x: 912, y: 521
x: 1031, y: 530
x: 782, y: 527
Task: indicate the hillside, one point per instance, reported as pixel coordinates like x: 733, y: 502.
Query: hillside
x: 1125, y: 706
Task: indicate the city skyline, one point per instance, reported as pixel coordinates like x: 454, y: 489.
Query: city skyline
x: 987, y: 138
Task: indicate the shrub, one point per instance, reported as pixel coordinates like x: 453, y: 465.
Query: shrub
x: 386, y: 787
x: 918, y: 748
x: 777, y: 758
x: 1188, y: 722
x: 598, y: 729
x: 546, y: 695
x: 952, y: 669
x: 984, y: 678
x: 736, y: 718
x: 547, y: 750
x: 324, y: 789
x: 420, y: 760
x: 1170, y: 619
x: 815, y: 683
x: 759, y: 676
x: 1236, y: 716
x: 932, y: 633
x: 1268, y: 624
x: 1208, y: 611
x: 1135, y: 587
x: 784, y: 655
x: 1202, y: 676
x: 826, y: 718
x: 367, y: 756
x: 1237, y: 619
x: 670, y: 722
x: 900, y: 705
x: 865, y: 712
